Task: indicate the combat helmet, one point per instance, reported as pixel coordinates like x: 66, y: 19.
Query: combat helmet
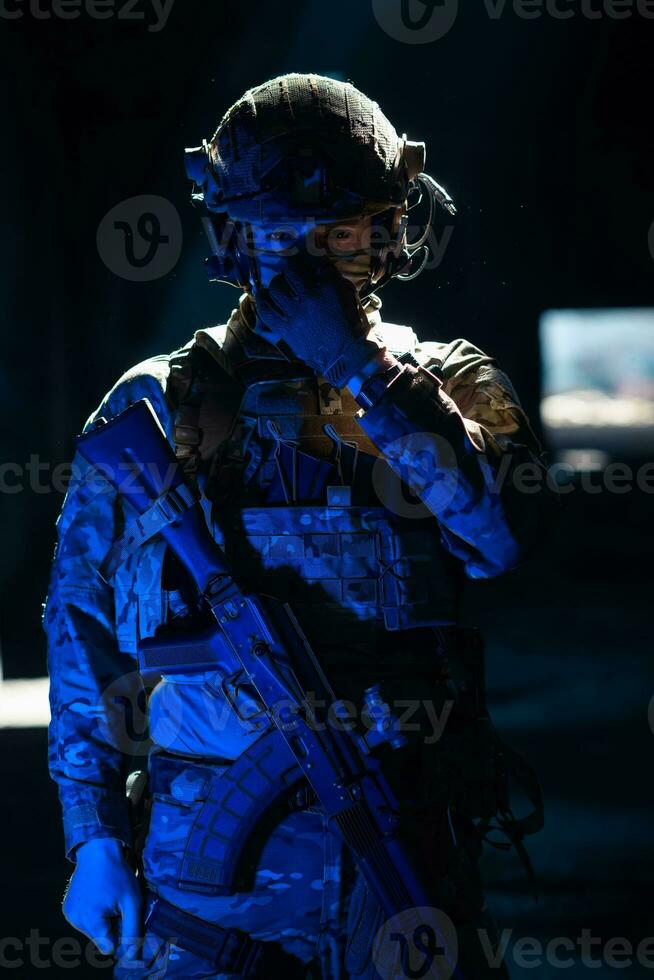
x: 303, y: 149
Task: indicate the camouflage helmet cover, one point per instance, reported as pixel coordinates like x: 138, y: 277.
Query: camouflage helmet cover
x: 304, y: 144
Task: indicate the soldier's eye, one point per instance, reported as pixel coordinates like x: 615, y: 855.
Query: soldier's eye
x: 279, y: 236
x: 342, y: 239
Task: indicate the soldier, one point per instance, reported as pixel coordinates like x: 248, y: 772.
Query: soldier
x: 346, y: 467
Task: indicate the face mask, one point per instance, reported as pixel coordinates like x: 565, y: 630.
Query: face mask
x: 357, y: 269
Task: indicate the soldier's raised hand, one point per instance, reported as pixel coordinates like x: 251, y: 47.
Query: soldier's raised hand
x: 316, y: 312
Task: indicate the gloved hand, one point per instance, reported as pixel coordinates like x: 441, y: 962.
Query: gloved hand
x: 316, y: 313
x: 103, y: 899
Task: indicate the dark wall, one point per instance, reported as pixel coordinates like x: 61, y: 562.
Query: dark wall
x: 539, y: 128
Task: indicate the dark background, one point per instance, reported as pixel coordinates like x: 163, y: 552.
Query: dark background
x: 541, y: 130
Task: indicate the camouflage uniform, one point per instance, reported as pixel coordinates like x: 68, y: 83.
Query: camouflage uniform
x: 373, y: 574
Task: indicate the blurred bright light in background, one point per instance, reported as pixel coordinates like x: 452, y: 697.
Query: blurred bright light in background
x: 24, y: 703
x: 598, y: 383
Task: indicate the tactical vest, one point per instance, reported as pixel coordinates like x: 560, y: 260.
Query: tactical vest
x: 291, y: 488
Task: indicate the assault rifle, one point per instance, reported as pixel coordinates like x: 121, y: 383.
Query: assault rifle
x: 264, y: 661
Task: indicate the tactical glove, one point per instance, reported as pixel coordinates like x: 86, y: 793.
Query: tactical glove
x: 315, y: 311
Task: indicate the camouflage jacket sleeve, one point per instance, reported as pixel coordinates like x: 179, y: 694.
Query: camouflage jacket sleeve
x: 87, y: 750
x: 454, y: 430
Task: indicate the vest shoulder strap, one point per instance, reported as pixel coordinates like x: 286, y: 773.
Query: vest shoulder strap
x: 205, y: 398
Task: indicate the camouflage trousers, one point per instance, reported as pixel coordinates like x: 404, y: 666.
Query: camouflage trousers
x: 306, y: 898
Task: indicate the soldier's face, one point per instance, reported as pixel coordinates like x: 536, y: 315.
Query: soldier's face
x: 345, y: 243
